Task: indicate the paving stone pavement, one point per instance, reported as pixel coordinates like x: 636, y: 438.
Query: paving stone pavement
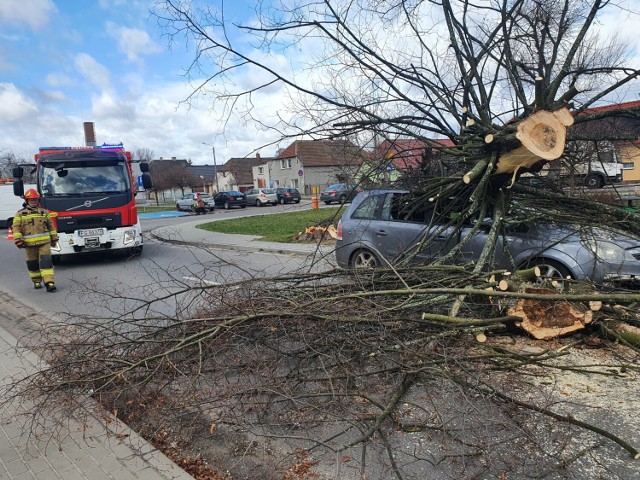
x: 90, y: 449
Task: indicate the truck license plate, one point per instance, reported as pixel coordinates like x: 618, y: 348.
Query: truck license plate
x: 90, y: 232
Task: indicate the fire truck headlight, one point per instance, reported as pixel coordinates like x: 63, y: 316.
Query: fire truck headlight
x: 129, y: 236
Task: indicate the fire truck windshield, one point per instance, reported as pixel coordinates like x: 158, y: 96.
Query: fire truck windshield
x: 77, y: 179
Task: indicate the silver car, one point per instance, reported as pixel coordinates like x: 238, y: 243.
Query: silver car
x: 261, y: 196
x: 186, y: 202
x: 383, y: 226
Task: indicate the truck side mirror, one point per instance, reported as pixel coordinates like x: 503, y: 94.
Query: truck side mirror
x: 18, y: 188
x: 144, y: 167
x: 18, y: 172
x: 146, y: 181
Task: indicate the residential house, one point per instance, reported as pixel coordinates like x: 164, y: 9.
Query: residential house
x: 310, y: 165
x: 623, y: 129
x: 237, y: 173
x: 203, y: 178
x: 173, y: 178
x: 394, y: 158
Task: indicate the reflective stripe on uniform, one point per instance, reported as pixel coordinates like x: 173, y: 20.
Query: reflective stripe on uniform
x: 36, y: 237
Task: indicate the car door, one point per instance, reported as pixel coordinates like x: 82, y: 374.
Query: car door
x: 402, y: 232
x: 517, y: 237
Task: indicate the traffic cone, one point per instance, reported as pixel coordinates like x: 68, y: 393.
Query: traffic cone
x: 10, y: 234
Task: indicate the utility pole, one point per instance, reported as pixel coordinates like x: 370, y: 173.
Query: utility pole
x: 215, y: 165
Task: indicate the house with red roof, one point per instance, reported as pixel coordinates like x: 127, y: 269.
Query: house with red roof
x: 394, y: 158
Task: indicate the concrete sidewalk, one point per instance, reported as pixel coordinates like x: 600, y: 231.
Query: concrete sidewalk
x: 89, y: 449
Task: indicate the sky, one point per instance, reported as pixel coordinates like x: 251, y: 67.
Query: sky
x: 65, y: 62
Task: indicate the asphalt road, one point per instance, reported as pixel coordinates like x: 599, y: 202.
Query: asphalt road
x: 105, y: 284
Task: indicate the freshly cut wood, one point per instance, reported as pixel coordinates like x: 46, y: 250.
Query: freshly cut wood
x: 318, y: 233
x: 545, y: 319
x: 543, y: 136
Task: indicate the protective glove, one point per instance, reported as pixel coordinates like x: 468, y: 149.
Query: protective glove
x: 21, y: 244
x: 54, y: 243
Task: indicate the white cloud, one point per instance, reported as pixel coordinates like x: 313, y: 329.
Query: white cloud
x: 14, y: 105
x: 92, y: 71
x: 133, y: 42
x: 35, y: 13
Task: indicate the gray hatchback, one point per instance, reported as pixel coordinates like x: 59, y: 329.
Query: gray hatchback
x: 383, y: 226
x: 339, y: 192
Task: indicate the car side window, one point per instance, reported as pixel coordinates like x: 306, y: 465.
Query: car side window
x: 404, y: 207
x: 368, y: 209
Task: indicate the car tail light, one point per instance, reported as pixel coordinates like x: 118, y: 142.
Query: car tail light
x: 262, y: 195
x: 339, y: 230
x: 331, y: 192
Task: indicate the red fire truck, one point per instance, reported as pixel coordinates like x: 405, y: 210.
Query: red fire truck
x: 91, y: 193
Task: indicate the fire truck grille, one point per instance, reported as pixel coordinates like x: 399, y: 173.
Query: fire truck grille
x: 68, y: 224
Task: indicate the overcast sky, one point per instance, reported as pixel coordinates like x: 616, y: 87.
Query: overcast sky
x: 65, y: 62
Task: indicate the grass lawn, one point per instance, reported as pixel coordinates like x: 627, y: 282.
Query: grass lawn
x: 277, y: 227
x: 152, y: 207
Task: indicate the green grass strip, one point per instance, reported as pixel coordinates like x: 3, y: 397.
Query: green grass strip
x: 277, y: 227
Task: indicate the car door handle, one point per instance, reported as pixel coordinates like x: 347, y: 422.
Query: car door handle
x: 382, y: 233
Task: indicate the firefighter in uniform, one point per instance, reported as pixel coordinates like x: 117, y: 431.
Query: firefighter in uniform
x: 34, y: 231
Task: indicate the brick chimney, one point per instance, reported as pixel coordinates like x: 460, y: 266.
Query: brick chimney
x: 89, y: 134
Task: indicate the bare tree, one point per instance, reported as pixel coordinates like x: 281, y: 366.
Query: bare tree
x: 144, y: 154
x: 406, y: 372
x: 468, y: 72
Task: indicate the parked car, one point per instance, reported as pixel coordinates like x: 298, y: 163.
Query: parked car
x: 288, y: 195
x: 261, y: 196
x: 383, y: 226
x: 186, y: 202
x: 339, y: 192
x: 230, y: 199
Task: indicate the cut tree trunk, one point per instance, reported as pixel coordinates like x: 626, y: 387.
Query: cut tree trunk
x: 543, y: 136
x: 545, y: 319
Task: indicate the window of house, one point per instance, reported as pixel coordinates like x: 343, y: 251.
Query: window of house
x: 288, y: 163
x: 283, y: 163
x: 260, y: 170
x: 629, y: 166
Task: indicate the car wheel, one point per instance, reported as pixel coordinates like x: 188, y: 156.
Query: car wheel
x: 296, y: 201
x: 258, y: 203
x: 342, y: 199
x: 328, y: 203
x: 364, y: 259
x: 243, y: 206
x: 178, y: 207
x: 227, y: 206
x: 282, y: 201
x: 594, y: 180
x: 550, y: 270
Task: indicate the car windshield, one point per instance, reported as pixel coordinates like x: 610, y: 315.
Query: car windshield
x: 63, y: 179
x: 236, y: 194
